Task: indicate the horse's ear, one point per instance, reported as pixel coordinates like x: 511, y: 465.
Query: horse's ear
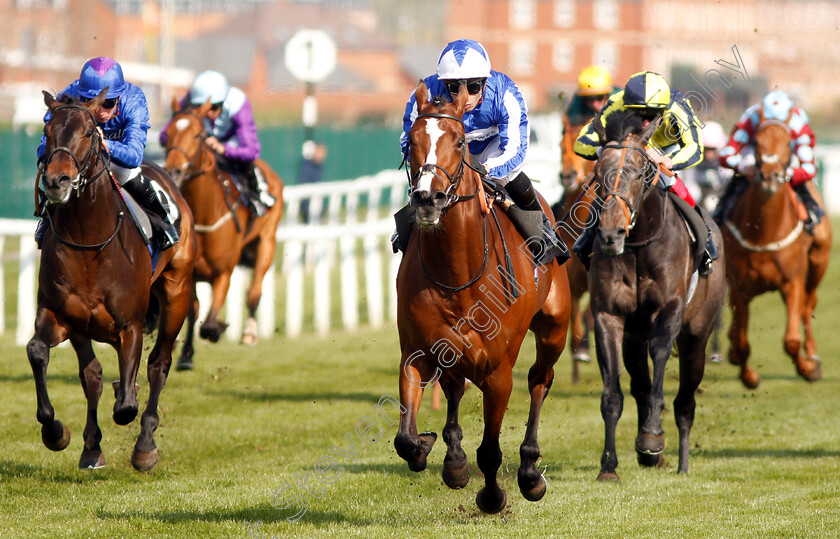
x: 94, y: 104
x: 49, y: 99
x: 421, y: 94
x: 599, y: 128
x: 651, y: 128
x: 461, y: 100
x: 204, y: 108
x: 176, y: 105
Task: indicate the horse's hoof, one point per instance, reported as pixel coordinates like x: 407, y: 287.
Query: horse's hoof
x: 715, y: 358
x: 57, y: 438
x: 92, y: 459
x: 651, y: 460
x: 813, y: 374
x: 491, y: 502
x: 650, y: 444
x: 582, y: 357
x: 143, y: 461
x: 532, y: 488
x: 125, y: 415
x: 456, y: 477
x: 249, y: 339
x: 608, y: 477
x: 211, y: 334
x: 184, y: 365
x: 750, y: 379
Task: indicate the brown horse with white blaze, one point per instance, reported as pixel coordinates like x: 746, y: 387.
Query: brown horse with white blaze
x: 464, y: 306
x: 96, y: 280
x: 767, y: 249
x: 224, y: 225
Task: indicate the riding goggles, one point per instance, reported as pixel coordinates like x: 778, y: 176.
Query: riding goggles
x: 474, y: 86
x: 108, y: 104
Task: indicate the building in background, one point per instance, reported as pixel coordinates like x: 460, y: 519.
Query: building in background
x: 384, y: 47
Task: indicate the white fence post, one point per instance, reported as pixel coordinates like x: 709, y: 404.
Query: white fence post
x: 26, y: 290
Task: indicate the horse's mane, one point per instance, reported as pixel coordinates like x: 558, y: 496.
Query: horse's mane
x: 621, y: 123
x: 66, y: 99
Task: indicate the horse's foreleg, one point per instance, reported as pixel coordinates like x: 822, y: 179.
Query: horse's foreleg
x: 650, y: 441
x: 456, y: 470
x: 212, y: 328
x: 129, y: 351
x: 692, y: 350
x: 739, y: 346
x: 47, y: 333
x: 635, y: 354
x: 794, y: 294
x: 185, y: 362
x: 608, y: 335
x: 496, y: 388
x: 90, y: 374
x: 417, y: 372
x: 175, y: 303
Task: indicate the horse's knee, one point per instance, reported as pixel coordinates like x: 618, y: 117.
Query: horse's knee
x: 38, y: 352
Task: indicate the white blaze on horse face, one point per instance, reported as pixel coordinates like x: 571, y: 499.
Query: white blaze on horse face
x: 182, y: 124
x: 424, y: 183
x: 770, y: 159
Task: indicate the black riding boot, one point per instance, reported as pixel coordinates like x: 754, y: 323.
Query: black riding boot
x: 815, y: 213
x: 142, y: 191
x: 728, y: 199
x: 584, y: 244
x: 521, y: 191
x: 40, y: 230
x: 405, y: 219
x: 261, y: 199
x: 711, y: 251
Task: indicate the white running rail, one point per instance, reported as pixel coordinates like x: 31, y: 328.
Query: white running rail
x: 342, y: 227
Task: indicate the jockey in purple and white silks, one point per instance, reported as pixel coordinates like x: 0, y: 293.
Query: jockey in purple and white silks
x: 231, y: 132
x: 123, y: 119
x: 496, y: 127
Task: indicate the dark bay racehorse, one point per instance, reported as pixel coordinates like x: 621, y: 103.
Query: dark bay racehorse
x: 645, y: 294
x: 463, y: 310
x: 767, y: 249
x: 223, y: 223
x: 574, y: 210
x: 96, y: 279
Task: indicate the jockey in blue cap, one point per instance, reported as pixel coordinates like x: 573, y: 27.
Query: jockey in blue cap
x: 123, y: 120
x: 496, y: 126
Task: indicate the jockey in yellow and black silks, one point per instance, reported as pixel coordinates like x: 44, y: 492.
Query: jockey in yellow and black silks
x: 676, y: 143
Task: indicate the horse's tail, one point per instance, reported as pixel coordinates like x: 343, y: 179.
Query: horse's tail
x: 152, y: 315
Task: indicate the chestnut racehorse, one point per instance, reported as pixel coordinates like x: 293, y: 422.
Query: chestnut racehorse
x: 573, y: 210
x: 96, y: 279
x: 464, y: 306
x: 645, y: 294
x: 767, y: 249
x: 223, y: 223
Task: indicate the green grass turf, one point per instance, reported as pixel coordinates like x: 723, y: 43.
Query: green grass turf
x: 764, y: 462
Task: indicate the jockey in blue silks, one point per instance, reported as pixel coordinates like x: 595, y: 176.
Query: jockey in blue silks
x: 496, y: 126
x: 123, y: 119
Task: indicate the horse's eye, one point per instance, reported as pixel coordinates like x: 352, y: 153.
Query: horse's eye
x: 460, y: 143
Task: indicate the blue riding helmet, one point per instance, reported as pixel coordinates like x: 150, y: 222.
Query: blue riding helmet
x: 98, y: 73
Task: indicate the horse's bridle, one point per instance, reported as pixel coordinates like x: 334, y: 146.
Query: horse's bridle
x: 435, y: 169
x: 631, y: 210
x: 193, y: 169
x: 764, y: 123
x: 78, y: 183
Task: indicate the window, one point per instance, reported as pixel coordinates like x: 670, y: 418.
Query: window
x: 563, y: 56
x: 605, y: 53
x: 522, y: 55
x: 564, y: 13
x: 605, y: 14
x: 522, y: 13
